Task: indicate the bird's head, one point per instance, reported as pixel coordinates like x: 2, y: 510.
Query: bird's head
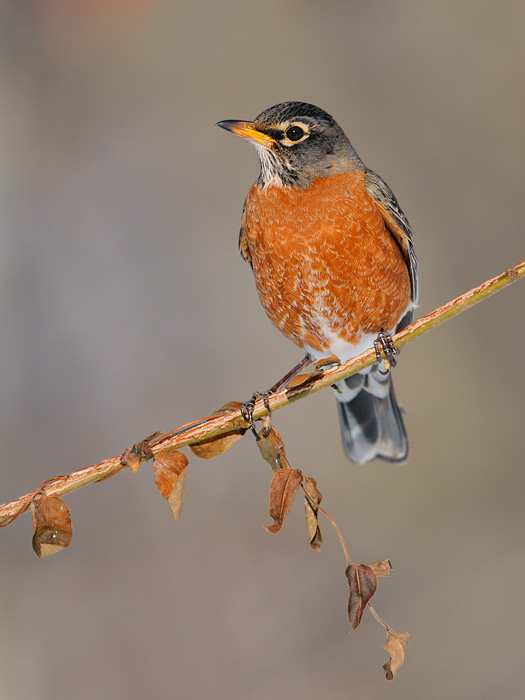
x: 297, y: 142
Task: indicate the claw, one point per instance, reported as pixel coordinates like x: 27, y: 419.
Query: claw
x: 384, y: 345
x: 248, y: 408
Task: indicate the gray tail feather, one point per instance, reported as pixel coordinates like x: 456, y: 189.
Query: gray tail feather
x: 371, y: 422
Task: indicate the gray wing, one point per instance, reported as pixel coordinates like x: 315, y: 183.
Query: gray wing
x: 396, y: 222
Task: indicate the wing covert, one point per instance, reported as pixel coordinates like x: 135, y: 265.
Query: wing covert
x: 396, y: 222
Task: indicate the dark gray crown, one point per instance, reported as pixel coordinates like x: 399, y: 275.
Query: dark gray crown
x: 288, y: 111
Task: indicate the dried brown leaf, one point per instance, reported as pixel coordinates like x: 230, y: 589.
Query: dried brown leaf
x: 139, y: 452
x: 331, y: 361
x: 272, y: 449
x: 131, y: 457
x: 312, y: 523
x: 362, y: 582
x: 52, y: 529
x: 170, y: 468
x: 284, y: 486
x: 395, y: 645
x: 381, y: 568
x: 298, y: 380
x: 215, y: 446
x: 302, y: 379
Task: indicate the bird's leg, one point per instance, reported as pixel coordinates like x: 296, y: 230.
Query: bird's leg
x: 248, y: 407
x: 289, y: 375
x: 384, y: 345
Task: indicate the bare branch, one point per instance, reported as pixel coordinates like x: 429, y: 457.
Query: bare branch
x: 211, y: 426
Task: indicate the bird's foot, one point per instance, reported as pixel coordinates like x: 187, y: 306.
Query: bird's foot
x: 248, y: 408
x: 385, y: 346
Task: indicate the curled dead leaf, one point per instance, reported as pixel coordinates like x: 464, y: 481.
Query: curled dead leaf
x: 215, y: 446
x: 362, y: 582
x: 395, y: 645
x: 52, y: 529
x: 332, y: 361
x: 271, y: 446
x: 284, y: 486
x: 302, y: 379
x: 139, y: 452
x: 131, y: 457
x: 298, y: 380
x: 312, y: 522
x: 170, y: 468
x: 381, y: 568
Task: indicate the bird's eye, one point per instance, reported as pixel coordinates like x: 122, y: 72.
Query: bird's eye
x: 294, y: 133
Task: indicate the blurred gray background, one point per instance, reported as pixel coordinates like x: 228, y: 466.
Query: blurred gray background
x: 125, y: 308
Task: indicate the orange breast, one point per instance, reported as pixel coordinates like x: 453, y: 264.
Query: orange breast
x: 325, y: 265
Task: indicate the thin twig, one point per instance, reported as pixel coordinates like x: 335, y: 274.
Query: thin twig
x: 206, y: 428
x: 332, y: 521
x: 382, y: 622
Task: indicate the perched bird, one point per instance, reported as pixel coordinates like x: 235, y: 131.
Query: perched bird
x: 333, y: 259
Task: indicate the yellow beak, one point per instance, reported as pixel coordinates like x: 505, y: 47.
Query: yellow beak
x: 247, y: 131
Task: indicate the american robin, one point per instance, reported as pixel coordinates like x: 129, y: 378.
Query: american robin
x: 333, y: 259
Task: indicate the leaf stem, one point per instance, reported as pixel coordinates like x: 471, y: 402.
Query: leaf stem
x: 332, y: 521
x: 382, y: 622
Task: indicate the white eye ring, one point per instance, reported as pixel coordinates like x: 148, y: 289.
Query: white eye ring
x: 294, y: 133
